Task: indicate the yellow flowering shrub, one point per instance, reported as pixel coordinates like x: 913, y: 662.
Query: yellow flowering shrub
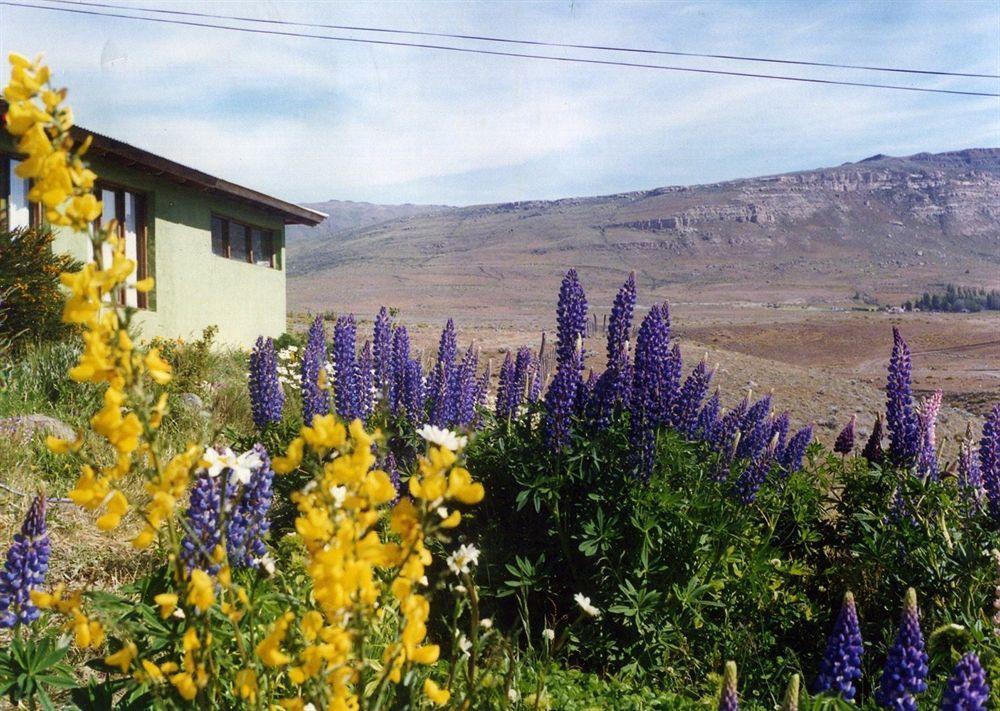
x: 358, y: 625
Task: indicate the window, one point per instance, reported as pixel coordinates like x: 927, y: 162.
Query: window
x: 242, y: 242
x: 129, y: 209
x: 15, y: 210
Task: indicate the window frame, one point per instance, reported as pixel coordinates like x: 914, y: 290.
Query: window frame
x: 7, y: 161
x: 269, y: 236
x: 141, y: 228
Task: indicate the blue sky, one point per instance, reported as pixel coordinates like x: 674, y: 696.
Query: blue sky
x: 311, y: 120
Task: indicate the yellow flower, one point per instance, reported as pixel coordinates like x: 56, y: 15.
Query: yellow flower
x: 435, y: 693
x: 167, y: 603
x: 122, y: 658
x: 117, y: 507
x: 184, y: 683
x: 201, y: 591
x: 269, y: 649
x: 63, y: 446
x: 292, y: 459
x: 461, y: 487
x: 246, y: 685
x: 159, y: 369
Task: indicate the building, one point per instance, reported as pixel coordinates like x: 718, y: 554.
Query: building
x: 215, y: 249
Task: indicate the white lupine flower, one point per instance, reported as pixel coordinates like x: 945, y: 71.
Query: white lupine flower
x: 460, y: 560
x: 242, y: 466
x: 443, y: 438
x: 584, y: 602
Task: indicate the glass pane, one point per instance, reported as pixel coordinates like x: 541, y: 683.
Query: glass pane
x: 20, y: 212
x: 237, y: 241
x: 108, y: 213
x: 261, y: 241
x: 131, y: 246
x: 218, y: 237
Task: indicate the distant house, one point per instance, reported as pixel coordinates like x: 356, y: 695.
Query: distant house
x: 215, y: 249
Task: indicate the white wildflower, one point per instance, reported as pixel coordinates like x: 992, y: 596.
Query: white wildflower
x: 584, y: 602
x: 486, y: 623
x: 460, y: 560
x: 443, y: 438
x: 338, y: 494
x: 465, y: 645
x: 513, y: 695
x: 241, y: 466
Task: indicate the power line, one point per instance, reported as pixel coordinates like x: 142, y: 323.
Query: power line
x: 497, y: 53
x: 535, y: 43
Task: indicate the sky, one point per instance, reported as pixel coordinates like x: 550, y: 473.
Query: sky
x: 312, y: 120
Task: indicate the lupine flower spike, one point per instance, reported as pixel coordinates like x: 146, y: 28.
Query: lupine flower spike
x: 729, y: 698
x: 873, y: 447
x: 840, y: 667
x: 989, y: 461
x: 900, y: 416
x: 25, y: 568
x: 315, y: 399
x: 266, y: 396
x: 905, y: 672
x: 845, y: 440
x: 966, y: 688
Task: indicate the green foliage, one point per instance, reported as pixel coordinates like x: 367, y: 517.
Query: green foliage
x: 191, y: 361
x: 31, y: 669
x: 29, y: 284
x: 36, y: 382
x: 687, y: 577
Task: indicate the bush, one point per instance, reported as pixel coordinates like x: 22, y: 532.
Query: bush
x: 32, y: 299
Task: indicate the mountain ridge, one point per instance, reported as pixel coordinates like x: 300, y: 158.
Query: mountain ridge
x: 883, y: 223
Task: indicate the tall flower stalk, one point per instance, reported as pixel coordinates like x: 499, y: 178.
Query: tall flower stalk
x: 900, y: 415
x: 315, y: 395
x: 267, y: 399
x: 24, y: 568
x: 905, y: 672
x: 840, y: 667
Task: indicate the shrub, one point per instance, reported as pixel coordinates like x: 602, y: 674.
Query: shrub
x: 32, y: 300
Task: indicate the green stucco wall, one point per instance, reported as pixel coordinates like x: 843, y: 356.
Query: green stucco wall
x: 195, y: 288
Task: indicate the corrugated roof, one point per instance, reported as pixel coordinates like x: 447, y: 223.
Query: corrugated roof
x: 138, y: 158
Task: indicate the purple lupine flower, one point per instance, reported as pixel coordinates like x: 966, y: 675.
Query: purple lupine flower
x: 795, y: 451
x: 366, y: 381
x: 723, y: 466
x: 727, y: 431
x: 587, y: 398
x: 24, y: 568
x: 970, y: 477
x: 382, y: 350
x: 966, y: 688
x: 400, y: 368
x: 841, y: 663
x: 266, y: 396
x: 413, y: 391
x: 615, y: 383
x: 248, y: 521
x: 571, y: 319
x: 708, y: 417
x: 873, y: 447
x: 905, y: 672
x: 345, y: 391
x: 685, y: 412
x: 845, y: 440
x: 755, y: 433
x: 651, y: 354
x: 440, y: 374
x: 670, y: 385
x: 900, y: 416
x: 927, y: 464
x: 754, y: 476
x: 755, y: 413
x: 524, y: 365
x: 729, y: 699
x: 202, y: 532
x: 462, y: 390
x: 315, y: 400
x: 989, y: 461
x: 779, y: 431
x: 506, y: 388
x: 560, y: 402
